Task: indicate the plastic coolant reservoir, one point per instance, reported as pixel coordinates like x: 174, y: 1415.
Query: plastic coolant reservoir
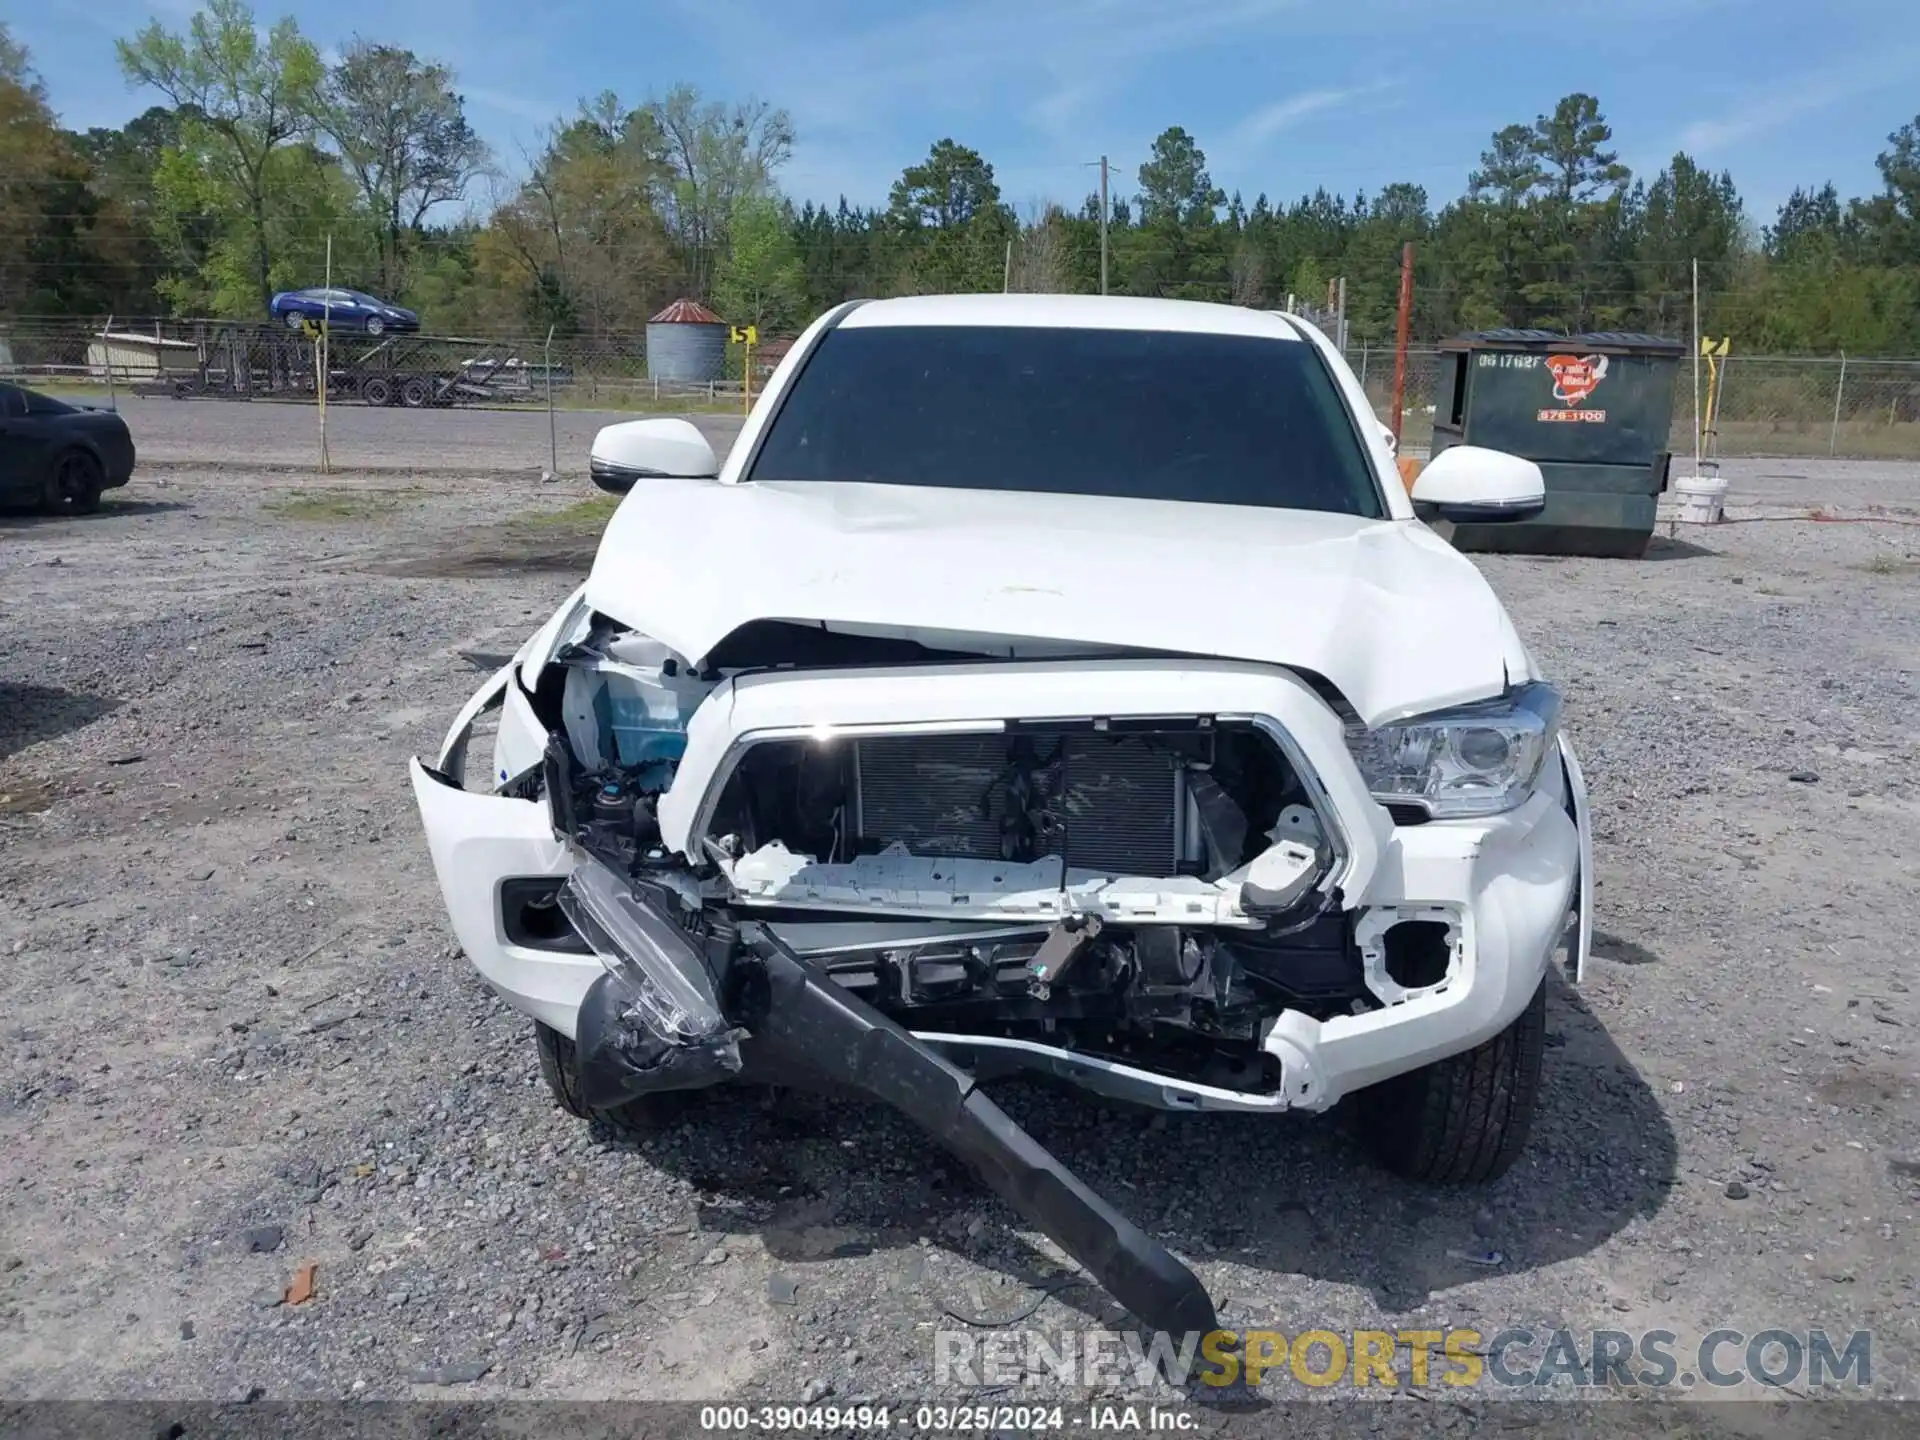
x: 638, y: 698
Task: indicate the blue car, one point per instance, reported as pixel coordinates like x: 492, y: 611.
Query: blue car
x: 342, y: 309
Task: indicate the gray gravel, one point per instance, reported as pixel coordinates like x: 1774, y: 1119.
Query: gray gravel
x: 234, y: 1006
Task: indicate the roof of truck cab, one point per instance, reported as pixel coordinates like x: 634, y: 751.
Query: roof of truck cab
x: 1072, y: 312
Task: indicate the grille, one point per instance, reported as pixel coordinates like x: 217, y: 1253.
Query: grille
x: 1109, y: 803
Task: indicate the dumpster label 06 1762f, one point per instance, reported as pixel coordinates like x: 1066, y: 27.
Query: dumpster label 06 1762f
x: 1575, y: 377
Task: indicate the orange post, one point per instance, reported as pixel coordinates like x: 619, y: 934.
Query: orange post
x: 1400, y: 340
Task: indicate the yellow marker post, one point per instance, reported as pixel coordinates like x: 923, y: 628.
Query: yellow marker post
x: 749, y: 336
x: 1715, y: 351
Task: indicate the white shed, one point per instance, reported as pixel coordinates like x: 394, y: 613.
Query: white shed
x: 140, y: 357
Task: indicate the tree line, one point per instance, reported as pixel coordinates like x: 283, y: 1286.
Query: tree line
x: 261, y: 154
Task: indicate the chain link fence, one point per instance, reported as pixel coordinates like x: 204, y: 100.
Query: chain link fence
x: 1770, y: 405
x: 232, y: 360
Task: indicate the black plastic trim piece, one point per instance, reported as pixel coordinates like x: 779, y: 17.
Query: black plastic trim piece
x: 810, y: 1022
x: 1480, y: 514
x: 557, y: 770
x: 620, y: 1057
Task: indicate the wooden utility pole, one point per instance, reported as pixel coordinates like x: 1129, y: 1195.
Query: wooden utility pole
x: 1400, y: 341
x: 1103, y: 224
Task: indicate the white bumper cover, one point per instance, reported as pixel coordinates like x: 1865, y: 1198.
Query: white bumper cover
x: 1505, y: 884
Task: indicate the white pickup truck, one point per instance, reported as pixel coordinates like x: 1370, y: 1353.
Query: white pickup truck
x: 1042, y: 683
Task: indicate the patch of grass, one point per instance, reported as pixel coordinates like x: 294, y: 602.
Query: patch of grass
x: 641, y: 402
x: 336, y: 504
x: 534, y: 542
x: 1812, y: 436
x: 589, y: 514
x: 1891, y: 565
x: 616, y: 402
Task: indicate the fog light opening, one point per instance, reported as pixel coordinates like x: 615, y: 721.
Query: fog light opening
x: 1409, y: 951
x: 1418, y: 953
x: 530, y: 916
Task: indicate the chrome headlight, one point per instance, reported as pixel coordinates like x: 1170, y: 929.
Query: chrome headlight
x: 1474, y: 760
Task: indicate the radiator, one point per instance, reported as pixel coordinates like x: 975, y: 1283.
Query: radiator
x: 1119, y: 802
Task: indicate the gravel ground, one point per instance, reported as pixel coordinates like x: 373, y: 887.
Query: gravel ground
x: 238, y: 1039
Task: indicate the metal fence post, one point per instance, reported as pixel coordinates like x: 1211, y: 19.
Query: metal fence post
x: 1839, y: 390
x: 106, y: 353
x: 1363, y: 367
x: 553, y: 435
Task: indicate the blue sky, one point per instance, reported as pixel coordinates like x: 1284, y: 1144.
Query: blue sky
x: 1283, y: 95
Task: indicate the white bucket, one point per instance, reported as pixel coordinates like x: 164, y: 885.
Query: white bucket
x: 1700, y: 498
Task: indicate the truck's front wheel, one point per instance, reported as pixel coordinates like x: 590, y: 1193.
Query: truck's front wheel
x: 1462, y: 1120
x: 643, y: 1115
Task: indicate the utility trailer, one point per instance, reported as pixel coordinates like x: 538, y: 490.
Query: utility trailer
x: 270, y: 362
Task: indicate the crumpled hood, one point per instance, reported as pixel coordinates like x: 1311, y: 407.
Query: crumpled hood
x: 1384, y: 609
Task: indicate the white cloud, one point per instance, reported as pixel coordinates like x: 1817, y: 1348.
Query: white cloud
x: 1054, y: 114
x: 1268, y: 121
x: 1763, y: 111
x: 1247, y: 141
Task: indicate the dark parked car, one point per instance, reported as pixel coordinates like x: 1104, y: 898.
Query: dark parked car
x: 342, y: 309
x: 59, y: 456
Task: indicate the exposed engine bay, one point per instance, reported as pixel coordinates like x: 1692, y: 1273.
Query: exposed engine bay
x: 1148, y: 891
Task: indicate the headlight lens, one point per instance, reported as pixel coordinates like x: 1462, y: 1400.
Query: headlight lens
x: 1474, y: 760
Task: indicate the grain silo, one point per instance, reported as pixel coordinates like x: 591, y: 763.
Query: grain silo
x: 687, y: 341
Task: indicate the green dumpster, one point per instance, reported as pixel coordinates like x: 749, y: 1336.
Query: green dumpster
x: 1593, y: 410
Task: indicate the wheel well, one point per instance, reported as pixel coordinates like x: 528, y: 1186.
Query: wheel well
x: 77, y: 447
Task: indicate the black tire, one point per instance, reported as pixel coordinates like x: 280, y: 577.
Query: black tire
x: 74, y: 484
x: 646, y: 1115
x: 377, y: 390
x: 1463, y: 1120
x: 295, y: 320
x: 416, y: 392
x: 375, y: 325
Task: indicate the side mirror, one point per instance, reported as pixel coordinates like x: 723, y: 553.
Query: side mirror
x: 650, y: 449
x: 1471, y: 485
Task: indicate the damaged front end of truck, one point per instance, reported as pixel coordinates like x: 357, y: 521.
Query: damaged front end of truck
x: 895, y: 907
x: 898, y: 865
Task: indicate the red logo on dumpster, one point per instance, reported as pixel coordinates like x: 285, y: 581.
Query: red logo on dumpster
x: 1575, y: 377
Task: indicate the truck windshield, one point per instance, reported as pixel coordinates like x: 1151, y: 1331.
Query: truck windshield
x: 1144, y: 414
